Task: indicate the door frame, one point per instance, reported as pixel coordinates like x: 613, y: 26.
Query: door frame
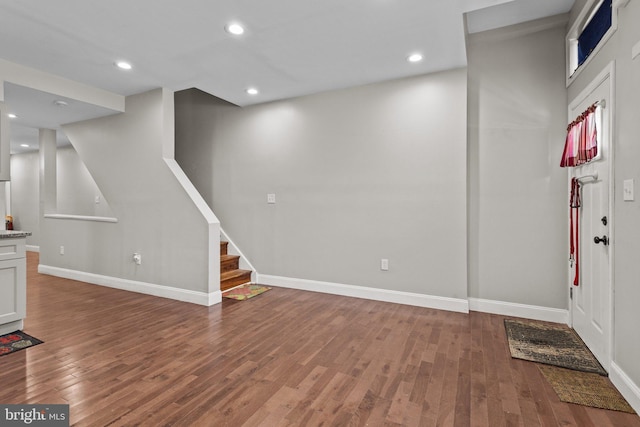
x: 607, y: 73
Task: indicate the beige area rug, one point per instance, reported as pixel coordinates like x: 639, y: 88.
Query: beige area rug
x: 585, y: 388
x: 551, y: 344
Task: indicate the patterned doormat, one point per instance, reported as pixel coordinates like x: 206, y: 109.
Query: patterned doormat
x: 15, y: 341
x: 245, y: 291
x: 551, y: 344
x: 585, y: 388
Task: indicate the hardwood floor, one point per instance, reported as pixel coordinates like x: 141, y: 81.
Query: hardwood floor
x: 285, y: 358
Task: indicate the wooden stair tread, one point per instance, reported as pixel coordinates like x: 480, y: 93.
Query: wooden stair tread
x: 229, y: 263
x: 233, y: 274
x: 233, y: 278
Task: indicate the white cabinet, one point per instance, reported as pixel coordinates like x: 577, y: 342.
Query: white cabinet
x: 5, y: 143
x: 13, y: 281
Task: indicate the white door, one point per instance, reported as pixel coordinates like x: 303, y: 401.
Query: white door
x: 591, y: 304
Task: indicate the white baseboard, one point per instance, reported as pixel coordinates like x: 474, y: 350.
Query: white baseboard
x: 625, y: 386
x: 32, y: 248
x: 195, y: 297
x: 519, y: 310
x: 397, y: 297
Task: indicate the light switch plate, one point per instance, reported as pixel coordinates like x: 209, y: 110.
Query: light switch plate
x: 271, y: 198
x: 627, y: 190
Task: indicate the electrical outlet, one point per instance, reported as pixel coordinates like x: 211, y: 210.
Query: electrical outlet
x: 97, y: 200
x: 271, y: 198
x: 137, y: 258
x: 61, y: 250
x: 384, y: 264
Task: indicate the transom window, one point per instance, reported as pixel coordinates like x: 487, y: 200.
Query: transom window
x: 597, y: 26
x: 592, y: 28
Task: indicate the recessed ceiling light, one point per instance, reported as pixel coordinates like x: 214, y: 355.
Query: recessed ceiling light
x: 235, y: 29
x: 24, y: 145
x: 416, y: 57
x: 12, y: 116
x: 252, y: 91
x: 123, y: 65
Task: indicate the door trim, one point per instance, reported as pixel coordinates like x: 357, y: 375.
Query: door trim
x: 607, y: 73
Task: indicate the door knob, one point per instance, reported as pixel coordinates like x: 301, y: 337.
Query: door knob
x: 604, y: 240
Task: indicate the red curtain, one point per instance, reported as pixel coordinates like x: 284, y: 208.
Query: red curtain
x: 581, y: 145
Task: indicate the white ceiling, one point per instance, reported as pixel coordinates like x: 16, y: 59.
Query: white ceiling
x: 290, y: 47
x: 36, y: 109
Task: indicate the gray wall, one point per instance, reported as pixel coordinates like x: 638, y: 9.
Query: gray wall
x: 77, y: 191
x: 360, y: 174
x: 25, y: 194
x: 156, y: 217
x: 517, y: 191
x: 626, y: 240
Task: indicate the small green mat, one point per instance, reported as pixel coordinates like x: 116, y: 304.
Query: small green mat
x: 245, y: 291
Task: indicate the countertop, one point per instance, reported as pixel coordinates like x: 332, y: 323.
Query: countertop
x: 13, y: 234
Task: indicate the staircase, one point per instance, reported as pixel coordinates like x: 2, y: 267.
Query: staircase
x: 230, y: 273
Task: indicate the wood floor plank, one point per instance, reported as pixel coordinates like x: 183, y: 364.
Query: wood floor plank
x: 536, y: 383
x: 285, y: 358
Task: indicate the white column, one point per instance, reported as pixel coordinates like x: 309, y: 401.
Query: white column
x: 7, y: 197
x: 48, y: 174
